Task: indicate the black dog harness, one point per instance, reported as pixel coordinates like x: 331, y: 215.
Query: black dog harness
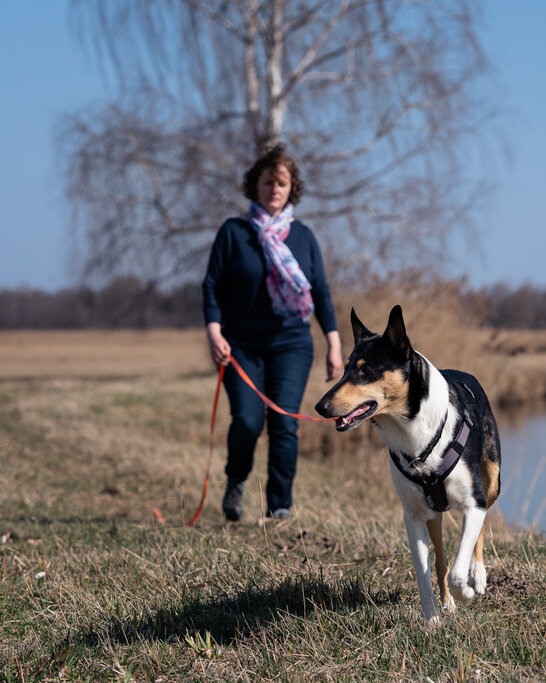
x: 433, y: 483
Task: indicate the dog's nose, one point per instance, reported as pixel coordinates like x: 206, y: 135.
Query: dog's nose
x: 323, y: 406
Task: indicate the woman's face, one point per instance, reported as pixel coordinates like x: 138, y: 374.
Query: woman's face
x: 274, y: 185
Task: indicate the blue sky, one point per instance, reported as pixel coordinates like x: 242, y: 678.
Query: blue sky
x: 44, y: 73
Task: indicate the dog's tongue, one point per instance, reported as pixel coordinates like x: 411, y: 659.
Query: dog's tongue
x: 341, y: 421
x: 357, y: 412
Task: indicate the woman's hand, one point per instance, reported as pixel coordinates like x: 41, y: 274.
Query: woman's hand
x: 220, y: 349
x: 334, y: 360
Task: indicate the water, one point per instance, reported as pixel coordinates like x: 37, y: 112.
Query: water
x: 523, y: 473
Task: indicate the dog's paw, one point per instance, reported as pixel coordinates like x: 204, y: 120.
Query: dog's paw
x: 477, y: 577
x: 433, y: 623
x: 460, y: 589
x: 448, y: 604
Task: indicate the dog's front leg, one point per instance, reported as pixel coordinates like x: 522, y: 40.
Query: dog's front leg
x: 473, y: 519
x: 419, y: 545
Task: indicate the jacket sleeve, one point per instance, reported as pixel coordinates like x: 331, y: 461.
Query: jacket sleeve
x: 324, y: 309
x: 213, y: 284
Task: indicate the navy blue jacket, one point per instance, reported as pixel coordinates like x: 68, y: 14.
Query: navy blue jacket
x: 235, y: 292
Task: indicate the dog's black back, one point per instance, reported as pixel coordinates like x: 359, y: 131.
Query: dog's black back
x: 483, y: 452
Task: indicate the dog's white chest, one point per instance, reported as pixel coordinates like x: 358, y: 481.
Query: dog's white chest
x: 411, y: 495
x: 458, y: 486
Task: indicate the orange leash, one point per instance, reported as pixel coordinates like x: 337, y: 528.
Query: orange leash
x: 242, y: 374
x: 212, y: 421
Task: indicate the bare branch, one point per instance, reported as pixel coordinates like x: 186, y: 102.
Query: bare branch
x: 310, y: 59
x: 218, y: 17
x: 376, y: 98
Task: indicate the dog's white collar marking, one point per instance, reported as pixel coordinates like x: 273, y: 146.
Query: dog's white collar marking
x: 413, y: 436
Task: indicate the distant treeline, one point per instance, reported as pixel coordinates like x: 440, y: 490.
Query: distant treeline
x: 523, y: 307
x: 127, y: 302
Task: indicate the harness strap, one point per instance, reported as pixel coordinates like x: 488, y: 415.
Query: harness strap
x: 433, y: 483
x: 430, y: 447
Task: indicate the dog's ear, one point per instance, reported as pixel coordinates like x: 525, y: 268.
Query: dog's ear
x: 360, y: 331
x: 396, y: 332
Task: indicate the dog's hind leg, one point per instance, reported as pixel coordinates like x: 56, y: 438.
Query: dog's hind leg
x: 435, y: 532
x: 458, y: 576
x: 418, y: 539
x: 477, y: 577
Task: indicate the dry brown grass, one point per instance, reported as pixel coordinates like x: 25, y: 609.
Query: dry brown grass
x: 99, y: 428
x: 101, y: 353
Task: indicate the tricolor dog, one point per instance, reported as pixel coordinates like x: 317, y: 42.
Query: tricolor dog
x: 444, y: 450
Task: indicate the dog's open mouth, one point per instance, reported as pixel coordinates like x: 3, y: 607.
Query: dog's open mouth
x: 350, y: 421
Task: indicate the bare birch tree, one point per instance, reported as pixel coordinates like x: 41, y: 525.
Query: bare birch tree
x: 379, y: 100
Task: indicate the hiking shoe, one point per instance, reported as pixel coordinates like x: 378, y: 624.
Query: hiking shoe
x: 232, y: 504
x: 280, y: 514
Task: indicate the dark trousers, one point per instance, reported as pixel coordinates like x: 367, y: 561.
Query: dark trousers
x: 281, y: 373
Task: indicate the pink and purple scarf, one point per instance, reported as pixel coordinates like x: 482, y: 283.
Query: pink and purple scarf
x: 287, y: 285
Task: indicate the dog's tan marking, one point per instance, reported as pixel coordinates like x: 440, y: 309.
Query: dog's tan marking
x: 440, y: 559
x: 390, y: 393
x: 491, y: 481
x: 490, y: 476
x: 360, y: 363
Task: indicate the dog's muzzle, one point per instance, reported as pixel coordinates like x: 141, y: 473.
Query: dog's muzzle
x: 350, y: 420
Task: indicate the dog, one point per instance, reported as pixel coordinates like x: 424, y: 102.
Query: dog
x: 444, y: 450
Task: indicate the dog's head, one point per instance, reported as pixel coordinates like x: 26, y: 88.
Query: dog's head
x: 376, y: 378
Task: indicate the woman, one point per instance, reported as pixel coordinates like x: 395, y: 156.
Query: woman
x: 264, y: 279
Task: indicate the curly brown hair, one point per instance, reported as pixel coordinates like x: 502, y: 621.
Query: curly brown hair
x: 272, y: 158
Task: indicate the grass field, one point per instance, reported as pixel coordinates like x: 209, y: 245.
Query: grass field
x: 99, y: 429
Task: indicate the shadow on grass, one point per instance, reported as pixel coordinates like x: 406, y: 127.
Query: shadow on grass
x: 230, y: 618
